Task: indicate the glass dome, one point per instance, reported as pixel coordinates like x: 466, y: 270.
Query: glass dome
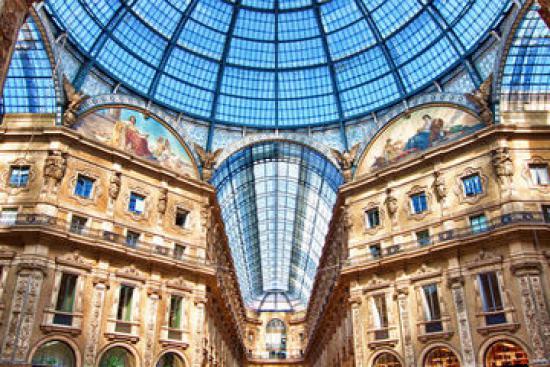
x: 276, y: 63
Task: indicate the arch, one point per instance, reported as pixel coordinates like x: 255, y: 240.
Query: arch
x: 55, y: 351
x: 100, y: 123
x: 464, y: 119
x: 174, y: 355
x: 118, y: 349
x: 448, y: 355
x: 276, y: 337
x: 386, y: 358
x: 488, y: 347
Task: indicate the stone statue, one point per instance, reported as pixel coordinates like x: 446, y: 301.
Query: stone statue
x: 74, y: 101
x: 439, y: 186
x: 163, y: 200
x: 208, y: 161
x: 391, y: 203
x: 544, y: 11
x: 482, y: 99
x: 114, y: 186
x: 54, y: 168
x: 502, y: 163
x: 345, y: 160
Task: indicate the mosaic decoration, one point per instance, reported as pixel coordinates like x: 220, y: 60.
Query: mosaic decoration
x: 144, y: 137
x: 423, y: 129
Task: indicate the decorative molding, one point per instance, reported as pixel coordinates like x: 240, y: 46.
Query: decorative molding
x: 526, y: 173
x: 373, y: 230
x: 180, y: 283
x: 6, y: 173
x: 76, y: 260
x: 97, y: 189
x: 425, y: 272
x: 376, y: 283
x: 459, y: 188
x: 131, y: 272
x: 146, y: 206
x: 414, y: 191
x: 484, y: 258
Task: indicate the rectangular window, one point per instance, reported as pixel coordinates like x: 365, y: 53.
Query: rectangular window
x: 472, y: 185
x: 432, y: 311
x: 423, y: 237
x: 539, y: 174
x: 176, y: 309
x: 375, y: 251
x: 373, y: 218
x: 546, y: 213
x: 78, y: 224
x: 19, y: 176
x: 9, y: 216
x: 181, y: 217
x: 65, y: 300
x: 380, y: 317
x: 491, y: 298
x: 124, y: 309
x: 84, y: 186
x: 132, y: 238
x: 137, y: 203
x: 478, y: 223
x: 419, y: 203
x: 179, y: 251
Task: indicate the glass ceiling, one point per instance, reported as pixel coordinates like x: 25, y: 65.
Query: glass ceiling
x: 276, y: 63
x: 276, y: 200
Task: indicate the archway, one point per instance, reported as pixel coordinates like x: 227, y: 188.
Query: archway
x: 117, y: 357
x: 505, y: 353
x: 441, y: 357
x: 386, y: 360
x: 54, y: 353
x: 170, y: 359
x: 276, y: 338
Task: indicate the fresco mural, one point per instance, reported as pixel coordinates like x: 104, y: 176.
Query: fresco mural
x: 141, y: 136
x: 424, y: 129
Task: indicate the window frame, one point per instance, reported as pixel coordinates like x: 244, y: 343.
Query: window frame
x: 475, y: 190
x: 90, y: 193
x: 20, y: 183
x: 374, y: 210
x: 60, y: 314
x: 494, y: 313
x: 424, y: 202
x: 133, y: 201
x: 534, y: 180
x: 78, y: 228
x: 477, y: 228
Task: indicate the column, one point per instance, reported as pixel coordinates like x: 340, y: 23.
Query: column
x: 198, y: 327
x: 153, y: 298
x: 93, y: 329
x: 457, y: 289
x: 535, y: 313
x: 355, y: 302
x: 402, y: 303
x: 15, y: 346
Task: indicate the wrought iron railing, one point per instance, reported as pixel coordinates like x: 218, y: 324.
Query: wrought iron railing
x: 276, y: 355
x: 47, y: 222
x: 502, y: 221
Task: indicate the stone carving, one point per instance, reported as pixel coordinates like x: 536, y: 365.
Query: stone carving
x: 464, y: 332
x: 75, y: 259
x: 391, y: 203
x: 179, y: 283
x: 92, y: 337
x: 357, y: 331
x: 481, y: 98
x: 439, y: 186
x: 114, y: 186
x: 208, y: 161
x: 163, y: 201
x: 544, y: 11
x: 502, y: 164
x: 54, y: 169
x: 74, y: 100
x: 345, y: 160
x: 198, y: 334
x: 21, y: 320
x: 131, y: 272
x: 150, y: 331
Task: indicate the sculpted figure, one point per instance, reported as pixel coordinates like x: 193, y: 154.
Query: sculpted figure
x: 74, y: 101
x: 391, y: 203
x: 114, y: 186
x: 482, y: 99
x: 54, y: 168
x: 502, y: 163
x: 345, y: 160
x: 163, y: 200
x: 208, y: 161
x: 439, y: 186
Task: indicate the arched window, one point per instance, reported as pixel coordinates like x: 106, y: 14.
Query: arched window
x: 276, y: 338
x: 506, y: 354
x: 386, y: 360
x: 441, y: 357
x: 170, y: 360
x: 54, y: 353
x: 117, y: 357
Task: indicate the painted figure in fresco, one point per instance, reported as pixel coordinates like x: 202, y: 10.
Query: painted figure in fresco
x: 135, y: 141
x: 430, y: 133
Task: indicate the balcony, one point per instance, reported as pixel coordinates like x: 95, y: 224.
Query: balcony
x: 432, y: 242
x: 111, y: 240
x: 276, y: 357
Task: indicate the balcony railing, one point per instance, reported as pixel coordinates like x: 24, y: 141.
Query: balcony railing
x: 504, y: 220
x: 47, y: 222
x: 276, y: 355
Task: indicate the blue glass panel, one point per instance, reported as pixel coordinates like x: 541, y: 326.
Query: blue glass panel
x: 297, y: 25
x: 248, y: 83
x: 301, y: 53
x: 393, y: 14
x: 255, y: 25
x: 213, y: 13
x: 250, y: 53
x: 29, y: 86
x: 338, y: 14
x: 183, y: 96
x: 304, y: 83
x: 202, y: 39
x: 361, y: 68
x: 192, y: 69
x: 350, y: 40
x: 160, y: 15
